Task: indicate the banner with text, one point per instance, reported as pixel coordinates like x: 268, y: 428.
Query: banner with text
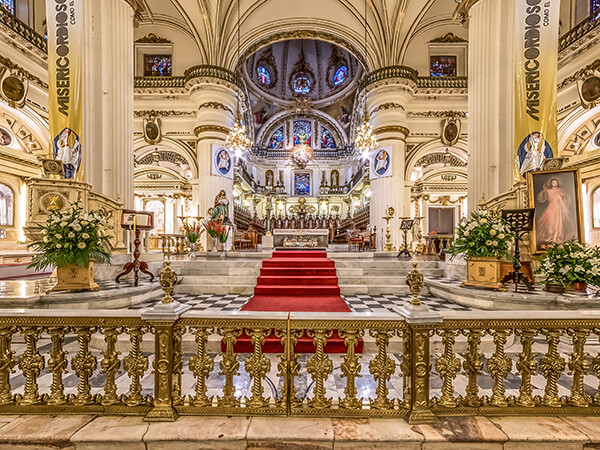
x: 222, y: 162
x: 65, y: 38
x: 536, y: 55
x: 381, y: 163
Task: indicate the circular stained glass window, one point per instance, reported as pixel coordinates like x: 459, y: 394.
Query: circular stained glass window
x: 301, y: 85
x: 340, y: 75
x: 264, y: 77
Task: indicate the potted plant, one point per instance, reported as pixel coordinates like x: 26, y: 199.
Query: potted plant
x: 483, y: 239
x: 193, y: 233
x: 569, y: 265
x: 73, y: 240
x: 218, y: 231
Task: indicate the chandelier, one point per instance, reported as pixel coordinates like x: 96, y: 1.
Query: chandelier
x: 237, y: 139
x: 301, y: 155
x: 365, y: 140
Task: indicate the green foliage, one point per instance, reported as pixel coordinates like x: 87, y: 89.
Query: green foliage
x: 71, y: 236
x: 570, y: 262
x: 483, y: 234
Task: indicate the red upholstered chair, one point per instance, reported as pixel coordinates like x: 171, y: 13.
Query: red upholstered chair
x: 354, y: 239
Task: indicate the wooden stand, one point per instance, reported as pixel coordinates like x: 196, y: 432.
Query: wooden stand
x: 136, y: 265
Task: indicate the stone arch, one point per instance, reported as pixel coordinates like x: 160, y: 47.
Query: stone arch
x: 459, y: 151
x: 180, y: 151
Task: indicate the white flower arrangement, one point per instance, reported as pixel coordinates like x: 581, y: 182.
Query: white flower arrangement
x: 483, y: 234
x: 570, y: 262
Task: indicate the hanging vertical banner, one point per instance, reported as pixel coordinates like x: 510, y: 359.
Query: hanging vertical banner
x: 536, y: 65
x: 65, y: 38
x: 222, y: 165
x: 381, y: 163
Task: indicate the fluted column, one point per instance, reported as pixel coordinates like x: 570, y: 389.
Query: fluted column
x: 388, y: 106
x: 491, y: 98
x: 108, y: 98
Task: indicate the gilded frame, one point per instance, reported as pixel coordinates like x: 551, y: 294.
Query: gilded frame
x: 538, y: 249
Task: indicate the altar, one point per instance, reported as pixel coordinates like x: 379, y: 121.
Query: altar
x: 301, y: 238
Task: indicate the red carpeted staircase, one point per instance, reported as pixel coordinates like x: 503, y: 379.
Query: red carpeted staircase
x: 297, y: 280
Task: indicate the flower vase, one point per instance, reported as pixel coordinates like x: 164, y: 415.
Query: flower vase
x: 192, y: 253
x: 223, y: 252
x: 214, y: 244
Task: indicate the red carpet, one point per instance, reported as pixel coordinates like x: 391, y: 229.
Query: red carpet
x: 297, y: 280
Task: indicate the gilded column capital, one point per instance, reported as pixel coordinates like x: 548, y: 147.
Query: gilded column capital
x: 218, y: 131
x: 395, y: 129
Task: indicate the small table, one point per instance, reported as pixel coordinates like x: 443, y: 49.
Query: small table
x: 136, y: 221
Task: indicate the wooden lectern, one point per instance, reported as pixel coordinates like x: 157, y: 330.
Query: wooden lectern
x: 136, y: 221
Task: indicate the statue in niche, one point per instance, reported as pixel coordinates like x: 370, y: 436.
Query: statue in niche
x: 269, y: 178
x: 220, y: 212
x: 335, y: 178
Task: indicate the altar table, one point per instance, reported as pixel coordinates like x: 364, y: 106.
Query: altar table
x: 300, y: 238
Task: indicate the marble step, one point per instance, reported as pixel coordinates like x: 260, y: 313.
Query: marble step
x: 378, y: 264
x: 358, y: 272
x: 225, y: 280
x: 213, y: 264
x: 217, y: 289
x: 365, y: 289
x: 217, y: 271
x: 379, y: 281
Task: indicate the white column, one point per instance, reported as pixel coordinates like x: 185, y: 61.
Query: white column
x: 108, y: 98
x: 491, y: 99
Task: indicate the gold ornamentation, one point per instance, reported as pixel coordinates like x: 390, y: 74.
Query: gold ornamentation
x: 229, y: 366
x: 365, y: 140
x: 389, y: 247
x: 237, y: 139
x: 211, y: 129
x: 351, y: 368
x: 499, y: 366
x: 526, y: 366
x: 289, y: 367
x: 7, y: 362
x: 215, y: 105
x: 31, y: 364
x: 415, y: 282
x: 178, y: 332
x: 473, y: 366
x: 420, y: 411
x: 167, y: 281
x: 135, y: 364
x: 578, y: 367
x: 386, y: 106
x: 448, y: 366
x: 52, y: 202
x: 257, y: 365
x: 382, y: 368
x: 152, y: 38
x: 84, y: 364
x: 448, y: 38
x: 57, y: 364
x: 201, y: 365
x: 110, y: 365
x: 396, y: 129
x: 319, y: 367
x: 552, y: 365
x: 595, y: 367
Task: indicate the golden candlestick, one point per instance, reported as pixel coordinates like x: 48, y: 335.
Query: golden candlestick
x: 389, y: 247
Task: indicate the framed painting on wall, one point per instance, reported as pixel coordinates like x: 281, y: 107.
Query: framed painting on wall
x: 302, y: 183
x: 556, y: 198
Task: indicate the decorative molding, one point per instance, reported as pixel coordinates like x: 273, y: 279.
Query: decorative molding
x: 386, y: 106
x: 446, y: 158
x: 152, y: 38
x: 211, y: 129
x: 439, y: 114
x: 161, y: 113
x: 157, y: 156
x: 392, y: 129
x: 267, y: 60
x: 580, y: 74
x: 215, y: 105
x: 13, y: 66
x: 448, y: 38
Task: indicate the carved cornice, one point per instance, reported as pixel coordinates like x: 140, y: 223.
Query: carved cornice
x: 439, y: 114
x: 152, y: 38
x: 162, y: 113
x: 211, y: 129
x: 580, y: 74
x: 392, y: 129
x: 13, y: 66
x: 215, y: 105
x: 448, y: 38
x: 388, y: 105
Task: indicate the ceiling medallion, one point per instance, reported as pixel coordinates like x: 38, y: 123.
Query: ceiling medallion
x: 301, y: 155
x: 237, y: 139
x: 365, y: 140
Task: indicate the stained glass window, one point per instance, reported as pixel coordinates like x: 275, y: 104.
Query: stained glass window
x: 277, y: 138
x: 340, y: 75
x: 327, y: 139
x: 302, y: 184
x: 594, y: 5
x: 157, y: 65
x: 302, y: 132
x: 301, y: 85
x: 442, y: 66
x: 8, y: 5
x: 264, y: 77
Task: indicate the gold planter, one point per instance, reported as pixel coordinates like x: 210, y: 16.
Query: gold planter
x: 485, y: 273
x: 75, y: 278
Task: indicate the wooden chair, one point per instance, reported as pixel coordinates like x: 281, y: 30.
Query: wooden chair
x: 355, y: 240
x: 240, y: 241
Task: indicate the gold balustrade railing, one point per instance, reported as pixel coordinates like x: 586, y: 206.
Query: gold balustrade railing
x: 255, y: 363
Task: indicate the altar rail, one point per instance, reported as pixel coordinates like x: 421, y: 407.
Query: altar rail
x: 392, y: 378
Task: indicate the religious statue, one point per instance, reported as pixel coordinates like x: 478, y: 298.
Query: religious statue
x: 532, y: 154
x: 220, y: 211
x: 69, y: 154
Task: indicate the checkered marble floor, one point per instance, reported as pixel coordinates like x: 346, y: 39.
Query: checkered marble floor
x: 357, y: 303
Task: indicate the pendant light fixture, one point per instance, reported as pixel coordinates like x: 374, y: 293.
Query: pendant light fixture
x: 365, y: 141
x: 237, y: 139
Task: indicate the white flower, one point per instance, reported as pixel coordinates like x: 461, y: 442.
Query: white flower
x: 58, y: 236
x: 63, y: 224
x: 488, y: 242
x: 483, y: 220
x: 81, y: 245
x: 44, y: 232
x: 495, y: 243
x: 579, y: 268
x: 77, y: 228
x: 46, y: 240
x: 71, y: 234
x: 58, y: 245
x: 466, y: 233
x: 501, y: 236
x: 85, y: 236
x: 564, y: 270
x: 84, y: 222
x: 493, y: 232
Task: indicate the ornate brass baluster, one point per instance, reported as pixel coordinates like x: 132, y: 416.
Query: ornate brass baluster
x: 84, y: 364
x: 472, y: 365
x: 31, y: 364
x: 289, y: 367
x: 499, y: 366
x: 595, y: 367
x: 448, y: 366
x: 7, y: 363
x: 382, y: 368
x: 552, y: 365
x: 110, y: 365
x: 257, y: 366
x: 405, y: 367
x: 526, y: 366
x: 578, y: 367
x: 178, y: 332
x: 201, y: 366
x: 135, y: 364
x: 57, y: 364
x: 351, y: 368
x: 319, y: 367
x: 229, y: 366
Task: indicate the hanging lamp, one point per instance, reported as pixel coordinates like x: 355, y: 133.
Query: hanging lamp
x: 365, y: 141
x: 237, y: 139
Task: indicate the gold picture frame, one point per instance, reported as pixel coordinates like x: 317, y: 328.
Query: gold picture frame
x: 556, y: 197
